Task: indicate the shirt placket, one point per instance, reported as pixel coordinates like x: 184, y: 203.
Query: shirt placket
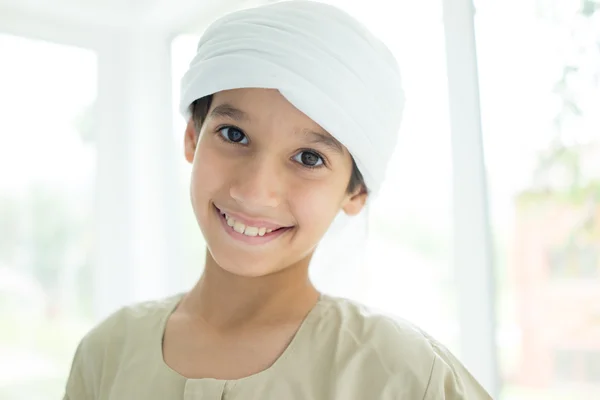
x: 204, y: 389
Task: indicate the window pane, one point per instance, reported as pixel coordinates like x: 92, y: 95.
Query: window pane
x: 47, y: 159
x: 540, y: 88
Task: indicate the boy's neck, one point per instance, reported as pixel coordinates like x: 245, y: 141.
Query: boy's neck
x: 227, y: 301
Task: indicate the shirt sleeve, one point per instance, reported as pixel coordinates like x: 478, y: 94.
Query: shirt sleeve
x: 77, y: 387
x: 450, y: 380
x: 87, y: 368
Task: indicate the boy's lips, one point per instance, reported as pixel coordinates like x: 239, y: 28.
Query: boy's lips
x: 267, y: 236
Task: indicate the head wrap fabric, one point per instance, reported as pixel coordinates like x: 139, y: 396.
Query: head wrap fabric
x: 322, y: 61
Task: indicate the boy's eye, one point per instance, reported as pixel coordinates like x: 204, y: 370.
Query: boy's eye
x: 231, y: 134
x: 309, y: 159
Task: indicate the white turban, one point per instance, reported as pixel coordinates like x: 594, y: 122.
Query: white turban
x: 322, y: 61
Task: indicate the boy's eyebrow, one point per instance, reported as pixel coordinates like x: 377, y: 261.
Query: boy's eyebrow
x: 229, y: 111
x: 325, y: 140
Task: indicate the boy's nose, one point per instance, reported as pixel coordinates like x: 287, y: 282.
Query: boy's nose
x: 258, y: 185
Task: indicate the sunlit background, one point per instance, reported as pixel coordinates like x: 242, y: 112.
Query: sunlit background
x: 94, y: 209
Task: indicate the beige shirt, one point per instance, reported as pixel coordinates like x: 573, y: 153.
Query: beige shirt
x: 342, y: 351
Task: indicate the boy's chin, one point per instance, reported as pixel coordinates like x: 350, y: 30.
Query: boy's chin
x: 249, y: 272
x: 245, y: 266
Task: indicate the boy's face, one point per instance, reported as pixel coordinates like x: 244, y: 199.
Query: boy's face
x: 267, y: 181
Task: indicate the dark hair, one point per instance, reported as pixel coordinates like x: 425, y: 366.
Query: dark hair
x: 199, y: 110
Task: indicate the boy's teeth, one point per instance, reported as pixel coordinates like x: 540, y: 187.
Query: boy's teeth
x: 239, y: 227
x: 246, y: 230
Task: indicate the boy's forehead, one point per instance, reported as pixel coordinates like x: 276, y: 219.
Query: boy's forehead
x: 255, y: 103
x: 243, y: 93
x: 250, y: 94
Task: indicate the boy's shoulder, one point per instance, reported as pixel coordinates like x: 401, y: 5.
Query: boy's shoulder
x: 131, y: 333
x: 401, y: 350
x: 133, y: 322
x: 393, y: 338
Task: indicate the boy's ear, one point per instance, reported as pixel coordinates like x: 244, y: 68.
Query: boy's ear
x: 190, y: 141
x: 355, y: 202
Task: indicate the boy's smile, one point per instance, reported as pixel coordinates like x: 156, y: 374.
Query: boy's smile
x: 250, y: 231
